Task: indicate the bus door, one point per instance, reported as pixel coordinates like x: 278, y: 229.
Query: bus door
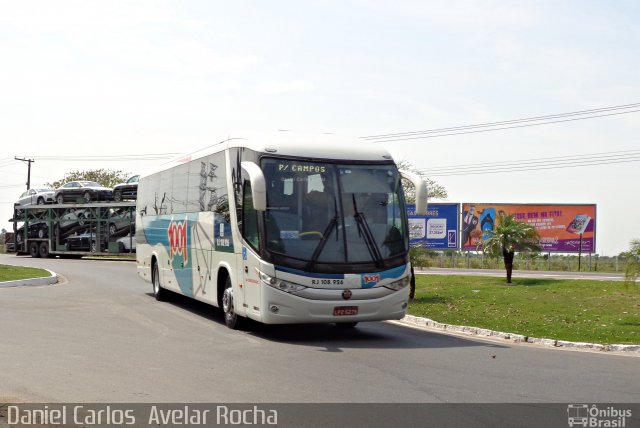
x: 250, y: 263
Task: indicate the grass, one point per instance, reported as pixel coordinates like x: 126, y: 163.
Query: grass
x: 603, y: 312
x: 12, y: 273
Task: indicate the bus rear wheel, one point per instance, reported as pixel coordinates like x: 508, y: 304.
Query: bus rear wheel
x: 158, y: 292
x: 231, y: 318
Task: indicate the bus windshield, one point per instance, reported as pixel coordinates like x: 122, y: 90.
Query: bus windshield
x: 320, y: 213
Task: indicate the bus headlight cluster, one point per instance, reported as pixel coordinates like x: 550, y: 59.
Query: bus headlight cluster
x: 399, y: 284
x: 286, y: 286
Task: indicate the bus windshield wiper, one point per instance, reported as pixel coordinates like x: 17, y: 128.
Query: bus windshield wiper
x: 325, y: 236
x: 365, y: 231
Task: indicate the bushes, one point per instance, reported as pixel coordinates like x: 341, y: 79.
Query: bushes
x: 425, y: 258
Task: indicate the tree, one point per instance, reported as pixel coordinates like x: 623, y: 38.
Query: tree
x: 508, y: 237
x: 434, y: 190
x: 106, y: 177
x: 632, y: 272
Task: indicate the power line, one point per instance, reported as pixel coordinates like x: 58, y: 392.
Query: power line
x: 541, y: 161
x: 129, y: 157
x: 495, y: 126
x: 500, y: 129
x: 505, y: 122
x: 102, y: 158
x: 593, y: 162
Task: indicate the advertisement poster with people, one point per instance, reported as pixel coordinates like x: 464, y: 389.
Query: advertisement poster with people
x: 562, y: 228
x: 438, y: 230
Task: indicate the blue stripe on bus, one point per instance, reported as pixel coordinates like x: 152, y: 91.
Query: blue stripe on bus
x: 310, y: 274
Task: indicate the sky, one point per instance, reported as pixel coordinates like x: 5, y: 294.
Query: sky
x: 96, y: 78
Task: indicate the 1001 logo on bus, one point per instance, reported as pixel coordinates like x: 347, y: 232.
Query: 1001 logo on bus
x: 177, y: 233
x: 369, y: 280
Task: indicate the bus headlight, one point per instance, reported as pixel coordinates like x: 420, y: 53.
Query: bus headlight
x: 399, y: 284
x: 286, y: 286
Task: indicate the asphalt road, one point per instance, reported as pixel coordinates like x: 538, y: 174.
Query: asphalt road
x: 100, y: 336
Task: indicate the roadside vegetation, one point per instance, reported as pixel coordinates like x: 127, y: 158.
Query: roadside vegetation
x: 424, y: 258
x: 13, y: 273
x: 632, y: 272
x: 576, y: 310
x: 434, y: 190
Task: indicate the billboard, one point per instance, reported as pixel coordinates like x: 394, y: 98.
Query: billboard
x: 438, y: 230
x: 562, y: 228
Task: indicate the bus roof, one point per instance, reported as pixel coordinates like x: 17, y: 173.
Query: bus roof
x: 322, y: 146
x: 285, y: 143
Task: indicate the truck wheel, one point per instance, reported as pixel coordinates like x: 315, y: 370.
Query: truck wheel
x: 159, y: 293
x: 117, y: 196
x: 44, y: 250
x: 231, y: 318
x: 34, y: 249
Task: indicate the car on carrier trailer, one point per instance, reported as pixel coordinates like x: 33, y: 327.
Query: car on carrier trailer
x: 90, y: 191
x: 35, y: 197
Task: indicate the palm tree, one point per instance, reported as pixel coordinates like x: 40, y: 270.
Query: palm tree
x: 508, y: 237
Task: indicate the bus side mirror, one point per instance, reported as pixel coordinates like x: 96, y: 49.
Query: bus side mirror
x: 258, y: 185
x: 421, y: 190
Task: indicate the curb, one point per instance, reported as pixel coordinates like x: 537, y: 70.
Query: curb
x: 429, y: 324
x: 46, y: 280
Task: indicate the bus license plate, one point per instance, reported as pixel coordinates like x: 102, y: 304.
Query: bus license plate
x: 345, y: 310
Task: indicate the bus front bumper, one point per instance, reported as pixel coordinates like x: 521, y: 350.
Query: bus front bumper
x: 279, y: 307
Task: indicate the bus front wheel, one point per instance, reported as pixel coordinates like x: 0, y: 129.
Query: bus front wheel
x: 231, y: 318
x: 346, y: 325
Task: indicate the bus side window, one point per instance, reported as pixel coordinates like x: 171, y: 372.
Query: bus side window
x: 249, y: 218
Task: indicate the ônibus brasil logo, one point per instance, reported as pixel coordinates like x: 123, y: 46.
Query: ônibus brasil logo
x: 177, y: 233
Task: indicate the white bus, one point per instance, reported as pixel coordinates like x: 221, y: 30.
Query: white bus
x: 281, y: 228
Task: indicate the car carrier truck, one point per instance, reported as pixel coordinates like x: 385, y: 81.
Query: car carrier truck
x: 73, y: 229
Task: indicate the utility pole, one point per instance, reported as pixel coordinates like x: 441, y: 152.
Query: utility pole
x: 28, y: 161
